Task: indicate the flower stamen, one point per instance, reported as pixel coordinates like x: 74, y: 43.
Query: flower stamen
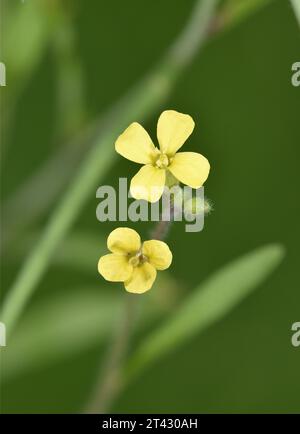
x: 162, y: 161
x: 138, y: 259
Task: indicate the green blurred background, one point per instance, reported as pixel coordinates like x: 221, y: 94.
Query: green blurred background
x: 78, y: 58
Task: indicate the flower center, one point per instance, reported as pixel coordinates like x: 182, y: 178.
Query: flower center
x: 138, y: 259
x: 162, y: 161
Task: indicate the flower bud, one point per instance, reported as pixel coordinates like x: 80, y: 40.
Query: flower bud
x: 196, y: 206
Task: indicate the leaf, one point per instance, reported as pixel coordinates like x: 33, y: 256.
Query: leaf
x: 70, y: 251
x: 73, y: 321
x: 296, y: 8
x: 62, y: 326
x: 235, y: 11
x: 22, y: 48
x: 208, y: 303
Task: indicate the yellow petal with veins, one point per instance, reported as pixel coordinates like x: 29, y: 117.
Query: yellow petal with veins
x: 148, y: 183
x: 142, y: 279
x: 115, y: 268
x: 173, y: 129
x: 190, y: 168
x: 158, y: 253
x: 136, y: 145
x: 123, y: 241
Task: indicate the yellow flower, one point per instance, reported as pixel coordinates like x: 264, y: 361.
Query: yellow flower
x: 173, y: 129
x: 133, y: 262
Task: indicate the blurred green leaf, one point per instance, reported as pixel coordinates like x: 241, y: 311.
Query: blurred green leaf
x: 26, y: 35
x: 80, y: 250
x: 296, y: 8
x: 209, y: 303
x: 72, y: 105
x: 235, y: 11
x: 60, y: 327
x: 73, y: 321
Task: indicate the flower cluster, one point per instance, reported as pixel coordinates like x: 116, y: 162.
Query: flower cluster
x: 131, y: 261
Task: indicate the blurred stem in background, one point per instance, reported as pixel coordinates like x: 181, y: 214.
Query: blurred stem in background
x: 296, y: 8
x: 109, y: 381
x: 21, y: 51
x: 145, y: 98
x: 55, y: 30
x: 71, y: 102
x: 50, y: 25
x: 58, y: 169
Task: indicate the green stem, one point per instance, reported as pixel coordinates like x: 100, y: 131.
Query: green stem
x: 145, y: 99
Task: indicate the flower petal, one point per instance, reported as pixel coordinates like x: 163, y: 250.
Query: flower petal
x: 136, y: 145
x: 158, y: 253
x: 148, y: 183
x: 173, y: 129
x: 190, y: 168
x: 142, y: 279
x: 123, y: 241
x: 115, y: 268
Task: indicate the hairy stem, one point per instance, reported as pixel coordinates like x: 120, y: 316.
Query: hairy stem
x: 162, y: 228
